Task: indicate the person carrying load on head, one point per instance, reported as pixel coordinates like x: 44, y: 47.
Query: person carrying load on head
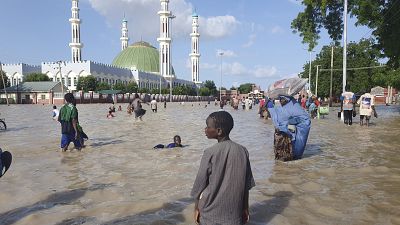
x: 292, y: 123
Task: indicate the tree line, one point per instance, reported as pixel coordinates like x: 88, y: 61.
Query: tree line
x: 89, y: 83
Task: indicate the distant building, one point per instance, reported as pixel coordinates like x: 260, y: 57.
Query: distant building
x: 34, y: 92
x: 140, y: 62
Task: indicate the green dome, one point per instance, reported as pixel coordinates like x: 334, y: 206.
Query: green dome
x: 141, y: 55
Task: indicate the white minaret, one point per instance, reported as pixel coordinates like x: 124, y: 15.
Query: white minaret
x: 194, y: 54
x: 75, y: 44
x: 165, y: 39
x: 124, y: 34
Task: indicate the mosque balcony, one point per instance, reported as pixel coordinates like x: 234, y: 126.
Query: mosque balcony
x: 169, y: 76
x: 76, y: 45
x: 194, y: 55
x: 75, y: 20
x: 164, y: 13
x: 194, y: 35
x: 164, y: 39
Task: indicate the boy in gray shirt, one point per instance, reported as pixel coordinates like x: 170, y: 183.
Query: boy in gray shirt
x: 221, y: 188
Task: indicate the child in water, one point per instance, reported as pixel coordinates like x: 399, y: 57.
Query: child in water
x: 110, y: 113
x: 221, y: 188
x: 176, y: 143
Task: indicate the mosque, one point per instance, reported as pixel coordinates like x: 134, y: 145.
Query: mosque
x: 140, y: 62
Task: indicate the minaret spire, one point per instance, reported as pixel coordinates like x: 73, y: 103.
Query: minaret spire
x: 75, y: 44
x: 194, y: 54
x: 124, y: 34
x: 165, y: 39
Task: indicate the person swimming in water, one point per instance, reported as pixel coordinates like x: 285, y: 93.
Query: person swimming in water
x: 177, y: 143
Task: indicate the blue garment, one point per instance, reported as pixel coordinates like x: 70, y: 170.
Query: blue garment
x: 68, y: 138
x: 292, y: 114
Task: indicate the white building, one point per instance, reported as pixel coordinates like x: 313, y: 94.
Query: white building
x: 140, y: 62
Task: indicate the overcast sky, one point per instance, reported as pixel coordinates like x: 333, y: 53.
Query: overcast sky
x: 255, y: 35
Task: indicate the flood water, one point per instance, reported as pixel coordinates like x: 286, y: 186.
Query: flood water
x: 349, y: 175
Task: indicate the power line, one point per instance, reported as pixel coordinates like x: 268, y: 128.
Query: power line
x: 355, y: 68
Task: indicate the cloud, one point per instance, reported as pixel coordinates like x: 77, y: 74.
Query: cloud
x: 218, y: 26
x: 226, y: 53
x: 258, y: 71
x: 277, y: 30
x: 297, y: 2
x: 143, y: 20
x: 250, y: 42
x: 264, y: 71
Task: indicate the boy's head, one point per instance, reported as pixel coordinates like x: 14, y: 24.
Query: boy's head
x: 177, y: 139
x: 219, y: 124
x: 69, y: 97
x: 54, y: 107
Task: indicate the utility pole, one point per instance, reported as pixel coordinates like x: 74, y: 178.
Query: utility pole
x: 4, y: 84
x: 309, y: 76
x: 170, y: 52
x: 344, y: 51
x: 62, y: 83
x: 316, y: 81
x: 220, y: 84
x: 330, y: 89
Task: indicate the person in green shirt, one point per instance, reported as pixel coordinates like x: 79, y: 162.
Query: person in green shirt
x: 68, y: 118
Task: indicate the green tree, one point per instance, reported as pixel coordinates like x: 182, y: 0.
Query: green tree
x: 103, y: 86
x: 35, y: 77
x: 131, y: 87
x: 120, y: 86
x: 360, y: 54
x: 233, y: 88
x: 203, y: 91
x: 6, y: 81
x: 86, y: 83
x: 245, y: 88
x: 143, y: 90
x: 379, y: 15
x: 210, y: 85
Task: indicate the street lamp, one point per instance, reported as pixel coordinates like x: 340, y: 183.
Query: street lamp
x: 220, y: 84
x: 309, y: 73
x: 316, y: 81
x: 170, y: 60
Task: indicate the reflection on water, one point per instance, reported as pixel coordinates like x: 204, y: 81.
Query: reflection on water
x: 349, y: 175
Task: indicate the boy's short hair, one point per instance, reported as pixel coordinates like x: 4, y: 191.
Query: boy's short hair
x: 223, y: 120
x: 69, y: 97
x: 54, y: 107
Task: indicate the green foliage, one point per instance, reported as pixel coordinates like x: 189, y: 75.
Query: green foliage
x: 131, y: 87
x: 203, y: 91
x: 6, y: 81
x: 184, y: 90
x: 245, y: 88
x: 120, y: 86
x: 86, y: 83
x: 36, y: 77
x: 143, y: 90
x: 103, y: 86
x: 233, y: 88
x: 379, y: 15
x: 360, y: 54
x: 211, y: 87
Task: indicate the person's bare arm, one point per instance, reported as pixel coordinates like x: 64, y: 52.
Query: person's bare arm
x: 75, y: 126
x: 246, y: 214
x: 196, y: 211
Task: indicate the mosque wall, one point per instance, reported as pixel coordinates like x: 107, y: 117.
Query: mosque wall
x: 16, y: 72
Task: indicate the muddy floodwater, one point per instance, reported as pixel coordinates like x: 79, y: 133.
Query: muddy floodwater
x: 349, y: 175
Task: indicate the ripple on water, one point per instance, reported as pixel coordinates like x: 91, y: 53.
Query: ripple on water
x: 349, y: 175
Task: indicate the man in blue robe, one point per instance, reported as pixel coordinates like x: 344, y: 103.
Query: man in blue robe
x: 291, y: 119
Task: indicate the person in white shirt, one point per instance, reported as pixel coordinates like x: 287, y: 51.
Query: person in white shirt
x: 153, y: 104
x: 366, y: 102
x: 55, y: 112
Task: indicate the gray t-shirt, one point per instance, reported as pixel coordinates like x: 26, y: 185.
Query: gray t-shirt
x: 223, y: 177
